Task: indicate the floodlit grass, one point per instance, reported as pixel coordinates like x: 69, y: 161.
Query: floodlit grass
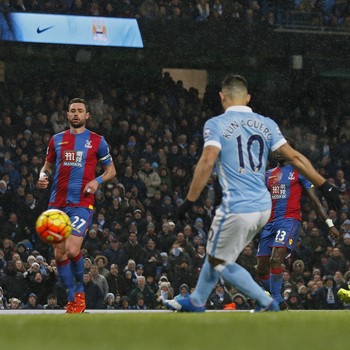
x: 155, y: 331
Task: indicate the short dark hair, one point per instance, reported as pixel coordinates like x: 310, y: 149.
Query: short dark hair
x: 234, y: 79
x: 234, y: 85
x: 79, y: 100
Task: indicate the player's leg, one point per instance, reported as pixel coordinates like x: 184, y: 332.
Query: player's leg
x: 287, y: 234
x: 266, y: 239
x: 237, y: 230
x: 276, y: 272
x: 197, y: 300
x: 81, y: 220
x: 263, y: 271
x: 65, y: 273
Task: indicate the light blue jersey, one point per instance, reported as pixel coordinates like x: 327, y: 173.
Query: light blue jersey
x: 245, y: 139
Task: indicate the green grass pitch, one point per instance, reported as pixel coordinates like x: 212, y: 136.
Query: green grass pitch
x: 154, y: 331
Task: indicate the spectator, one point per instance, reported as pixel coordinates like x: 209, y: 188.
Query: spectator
x: 99, y: 280
x: 129, y: 284
x: 93, y: 293
x: 133, y: 249
x: 145, y: 291
x: 218, y: 298
x: 164, y: 292
x: 150, y: 178
x: 115, y: 281
x: 240, y: 301
x: 3, y: 301
x: 326, y: 297
x: 101, y: 262
x: 32, y: 303
x: 336, y: 262
x: 115, y: 254
x: 52, y: 303
x: 109, y: 302
x: 184, y: 292
x: 151, y: 258
x: 248, y: 260
x: 294, y: 302
x: 13, y: 229
x: 91, y: 242
x: 15, y: 304
x: 165, y: 238
x: 14, y: 284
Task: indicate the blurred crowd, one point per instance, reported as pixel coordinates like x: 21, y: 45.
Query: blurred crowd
x: 137, y: 253
x: 334, y: 13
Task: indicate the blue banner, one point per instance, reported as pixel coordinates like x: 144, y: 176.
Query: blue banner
x: 75, y: 30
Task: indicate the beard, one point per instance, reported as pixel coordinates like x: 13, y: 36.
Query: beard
x: 76, y: 124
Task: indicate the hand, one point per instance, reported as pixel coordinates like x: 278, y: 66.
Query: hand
x: 334, y: 233
x: 91, y: 187
x: 331, y: 194
x: 183, y: 209
x: 42, y: 183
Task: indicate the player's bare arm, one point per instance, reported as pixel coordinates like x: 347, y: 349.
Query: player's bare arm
x: 201, y: 176
x: 316, y: 204
x: 109, y: 173
x: 301, y: 163
x: 45, y: 174
x: 202, y: 172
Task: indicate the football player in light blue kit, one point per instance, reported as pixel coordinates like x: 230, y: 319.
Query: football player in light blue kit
x: 238, y: 143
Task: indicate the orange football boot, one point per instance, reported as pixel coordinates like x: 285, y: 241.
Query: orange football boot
x: 70, y: 307
x: 80, y: 304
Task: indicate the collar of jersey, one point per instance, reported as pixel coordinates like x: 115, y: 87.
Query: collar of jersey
x: 239, y: 109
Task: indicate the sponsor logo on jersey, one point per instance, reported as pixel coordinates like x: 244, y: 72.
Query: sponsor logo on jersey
x: 278, y: 191
x: 63, y: 143
x: 73, y: 158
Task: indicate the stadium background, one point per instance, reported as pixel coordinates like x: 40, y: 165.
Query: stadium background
x: 284, y: 64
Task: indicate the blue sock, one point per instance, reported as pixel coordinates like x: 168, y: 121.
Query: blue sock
x: 77, y: 265
x: 276, y: 281
x: 206, y: 282
x: 241, y: 279
x: 66, y: 276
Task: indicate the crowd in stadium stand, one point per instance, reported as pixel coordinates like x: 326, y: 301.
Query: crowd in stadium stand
x: 334, y: 13
x: 155, y: 137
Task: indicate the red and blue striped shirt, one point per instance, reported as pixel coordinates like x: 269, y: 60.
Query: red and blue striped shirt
x: 75, y: 157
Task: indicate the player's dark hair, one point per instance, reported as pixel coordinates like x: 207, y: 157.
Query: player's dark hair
x: 232, y: 80
x: 234, y: 86
x: 79, y: 100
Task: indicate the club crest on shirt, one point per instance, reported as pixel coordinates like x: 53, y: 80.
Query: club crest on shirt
x: 88, y: 144
x: 206, y: 134
x: 291, y: 176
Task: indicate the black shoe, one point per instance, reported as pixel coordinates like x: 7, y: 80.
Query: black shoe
x: 284, y: 306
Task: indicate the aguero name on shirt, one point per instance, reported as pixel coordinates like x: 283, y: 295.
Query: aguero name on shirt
x: 254, y: 124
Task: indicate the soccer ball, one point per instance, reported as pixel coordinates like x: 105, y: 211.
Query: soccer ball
x: 53, y: 226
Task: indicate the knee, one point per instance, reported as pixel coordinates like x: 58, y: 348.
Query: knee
x: 275, y: 260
